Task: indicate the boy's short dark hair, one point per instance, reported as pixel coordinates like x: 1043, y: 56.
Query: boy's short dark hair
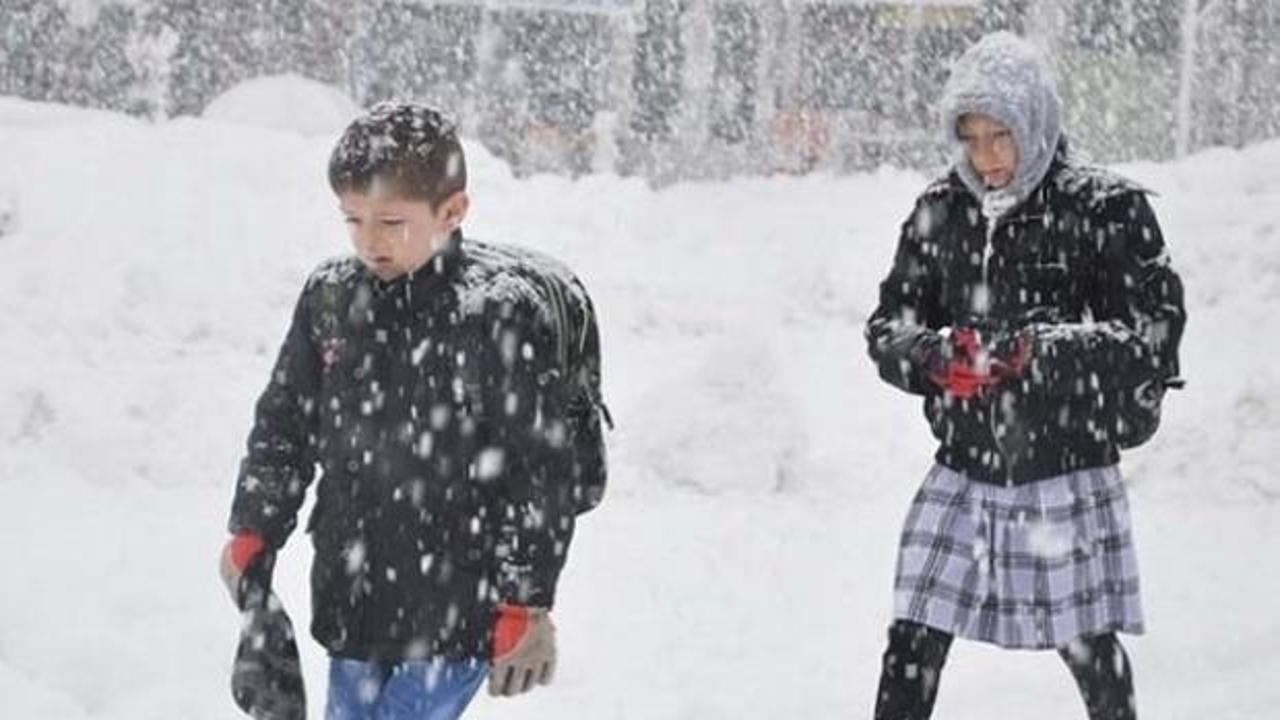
x: 412, y: 147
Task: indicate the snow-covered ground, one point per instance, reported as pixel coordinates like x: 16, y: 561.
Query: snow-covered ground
x: 741, y: 565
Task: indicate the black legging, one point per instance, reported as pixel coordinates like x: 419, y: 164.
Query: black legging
x: 916, y: 653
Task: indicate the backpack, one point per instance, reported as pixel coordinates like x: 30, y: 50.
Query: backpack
x: 1137, y: 411
x: 572, y: 318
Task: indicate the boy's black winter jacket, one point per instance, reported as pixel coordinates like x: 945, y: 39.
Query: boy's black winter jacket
x: 1080, y: 266
x: 453, y: 414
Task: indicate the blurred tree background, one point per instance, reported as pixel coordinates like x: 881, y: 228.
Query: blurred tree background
x: 674, y: 89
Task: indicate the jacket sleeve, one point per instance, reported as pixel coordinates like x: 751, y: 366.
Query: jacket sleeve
x: 902, y: 331
x: 534, y: 507
x: 1137, y: 307
x: 280, y: 459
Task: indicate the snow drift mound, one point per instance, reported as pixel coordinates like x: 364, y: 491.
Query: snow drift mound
x: 284, y: 102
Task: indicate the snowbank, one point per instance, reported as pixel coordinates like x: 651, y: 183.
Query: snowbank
x: 741, y: 565
x: 284, y: 102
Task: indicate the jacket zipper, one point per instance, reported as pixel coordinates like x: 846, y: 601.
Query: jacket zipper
x: 987, y: 250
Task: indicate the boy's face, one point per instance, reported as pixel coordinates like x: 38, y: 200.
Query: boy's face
x: 394, y: 235
x: 991, y: 148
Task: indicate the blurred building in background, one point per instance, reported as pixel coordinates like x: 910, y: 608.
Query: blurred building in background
x: 673, y: 89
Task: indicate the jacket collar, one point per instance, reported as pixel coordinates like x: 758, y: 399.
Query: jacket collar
x: 412, y: 288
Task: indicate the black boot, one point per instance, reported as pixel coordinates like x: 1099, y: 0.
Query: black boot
x: 911, y: 670
x: 1101, y: 669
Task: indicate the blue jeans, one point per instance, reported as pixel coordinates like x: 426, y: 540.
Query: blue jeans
x: 415, y: 690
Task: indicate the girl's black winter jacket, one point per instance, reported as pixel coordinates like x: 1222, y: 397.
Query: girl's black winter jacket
x: 1081, y: 268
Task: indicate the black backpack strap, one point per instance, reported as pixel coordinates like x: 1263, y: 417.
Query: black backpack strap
x: 577, y: 339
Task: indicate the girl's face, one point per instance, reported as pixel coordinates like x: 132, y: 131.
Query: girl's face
x: 991, y: 148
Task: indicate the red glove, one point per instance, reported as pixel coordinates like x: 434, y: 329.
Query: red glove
x: 973, y: 366
x: 524, y: 650
x: 245, y: 548
x: 511, y: 626
x: 239, y: 553
x: 963, y: 380
x: 1010, y: 363
x: 960, y: 375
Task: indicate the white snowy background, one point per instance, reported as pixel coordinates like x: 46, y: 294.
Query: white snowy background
x: 742, y: 562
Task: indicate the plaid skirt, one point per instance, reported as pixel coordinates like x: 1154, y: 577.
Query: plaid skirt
x: 1030, y: 566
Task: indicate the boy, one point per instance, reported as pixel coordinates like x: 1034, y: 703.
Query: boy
x: 449, y: 392
x: 1032, y: 305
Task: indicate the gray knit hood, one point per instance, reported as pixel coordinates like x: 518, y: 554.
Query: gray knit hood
x: 1005, y: 77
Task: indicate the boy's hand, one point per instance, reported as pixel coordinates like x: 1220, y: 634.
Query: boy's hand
x: 524, y: 650
x: 239, y: 553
